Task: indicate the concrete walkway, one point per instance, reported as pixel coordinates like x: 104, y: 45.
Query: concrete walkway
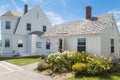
x: 12, y: 72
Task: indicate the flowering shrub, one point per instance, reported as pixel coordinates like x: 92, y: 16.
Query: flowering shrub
x: 81, y: 63
x: 79, y: 68
x: 62, y: 62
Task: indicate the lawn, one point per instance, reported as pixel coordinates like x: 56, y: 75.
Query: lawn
x: 22, y: 61
x: 115, y: 76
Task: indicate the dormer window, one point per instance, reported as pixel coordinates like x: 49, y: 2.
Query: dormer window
x: 28, y: 27
x: 7, y: 25
x: 44, y: 28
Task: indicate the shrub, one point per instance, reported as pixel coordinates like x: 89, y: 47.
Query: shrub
x: 81, y: 63
x: 42, y: 65
x: 79, y: 68
x: 94, y: 69
x: 62, y: 62
x: 115, y: 65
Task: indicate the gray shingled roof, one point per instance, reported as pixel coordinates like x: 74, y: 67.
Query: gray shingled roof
x: 39, y: 33
x: 12, y: 13
x: 95, y: 25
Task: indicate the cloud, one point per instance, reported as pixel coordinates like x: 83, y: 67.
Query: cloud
x: 54, y: 18
x: 116, y: 13
x: 117, y: 16
x: 3, y: 9
x: 15, y: 4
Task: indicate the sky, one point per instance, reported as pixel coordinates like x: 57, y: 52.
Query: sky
x: 59, y: 11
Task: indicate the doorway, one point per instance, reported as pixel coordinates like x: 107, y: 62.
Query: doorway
x: 60, y: 45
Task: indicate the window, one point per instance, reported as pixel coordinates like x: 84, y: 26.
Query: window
x: 44, y: 28
x: 48, y: 43
x: 112, y: 45
x: 7, y: 25
x: 7, y: 43
x: 28, y: 27
x: 20, y: 43
x: 38, y: 44
x: 81, y: 44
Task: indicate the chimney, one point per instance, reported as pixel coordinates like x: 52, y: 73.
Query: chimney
x: 25, y: 8
x: 88, y: 12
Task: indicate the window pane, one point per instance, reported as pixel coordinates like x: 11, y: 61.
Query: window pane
x: 7, y: 43
x: 44, y: 28
x: 48, y: 43
x: 81, y: 44
x: 20, y: 43
x: 112, y: 41
x: 81, y: 48
x: 38, y: 44
x: 7, y: 24
x: 28, y: 27
x: 112, y: 49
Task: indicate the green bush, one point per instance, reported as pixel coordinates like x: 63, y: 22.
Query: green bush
x: 81, y: 63
x: 42, y: 65
x: 62, y: 62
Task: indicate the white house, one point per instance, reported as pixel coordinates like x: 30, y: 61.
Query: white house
x: 24, y: 34
x: 95, y: 35
x: 21, y: 33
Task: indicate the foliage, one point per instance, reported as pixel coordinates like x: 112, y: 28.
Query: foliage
x: 79, y: 68
x: 62, y: 62
x: 82, y: 63
x: 42, y: 65
x: 114, y: 76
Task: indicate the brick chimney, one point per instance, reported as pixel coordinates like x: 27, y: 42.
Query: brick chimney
x: 25, y: 8
x: 88, y: 12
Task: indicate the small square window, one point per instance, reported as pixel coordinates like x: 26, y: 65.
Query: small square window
x: 20, y: 43
x: 38, y: 44
x: 28, y: 27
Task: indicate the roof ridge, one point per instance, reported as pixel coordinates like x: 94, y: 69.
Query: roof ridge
x: 83, y: 19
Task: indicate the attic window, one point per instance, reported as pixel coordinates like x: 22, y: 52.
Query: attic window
x: 28, y: 27
x: 7, y: 25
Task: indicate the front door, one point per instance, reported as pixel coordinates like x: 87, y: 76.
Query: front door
x: 60, y: 45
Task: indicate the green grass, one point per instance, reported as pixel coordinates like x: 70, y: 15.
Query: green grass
x: 115, y: 76
x: 22, y: 61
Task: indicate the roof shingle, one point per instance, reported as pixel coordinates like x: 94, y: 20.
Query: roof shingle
x: 93, y: 26
x: 12, y: 13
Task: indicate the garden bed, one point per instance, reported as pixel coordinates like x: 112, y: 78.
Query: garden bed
x: 70, y: 64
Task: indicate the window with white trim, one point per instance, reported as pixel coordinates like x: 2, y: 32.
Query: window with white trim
x: 28, y: 27
x: 20, y: 43
x: 7, y: 25
x: 7, y: 42
x: 81, y: 46
x: 112, y: 45
x: 44, y: 28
